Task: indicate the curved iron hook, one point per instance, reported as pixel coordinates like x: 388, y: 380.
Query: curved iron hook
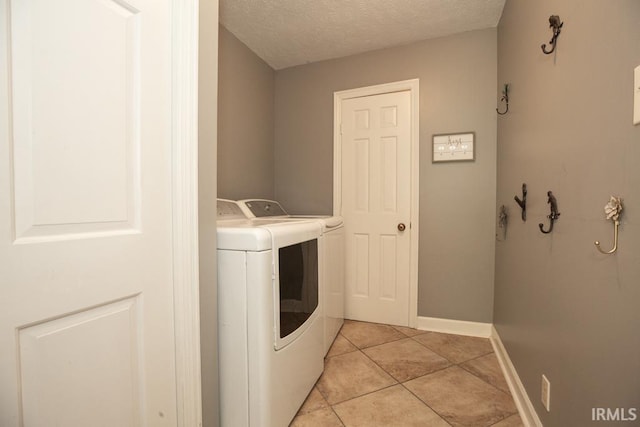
x: 616, y: 224
x: 554, y: 22
x: 553, y: 216
x: 505, y: 98
x: 541, y: 225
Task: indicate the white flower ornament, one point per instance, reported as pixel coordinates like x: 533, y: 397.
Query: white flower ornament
x: 613, y: 209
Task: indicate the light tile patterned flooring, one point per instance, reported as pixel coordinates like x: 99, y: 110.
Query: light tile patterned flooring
x: 381, y: 375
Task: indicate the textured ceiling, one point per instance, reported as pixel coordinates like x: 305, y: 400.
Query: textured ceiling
x: 285, y: 33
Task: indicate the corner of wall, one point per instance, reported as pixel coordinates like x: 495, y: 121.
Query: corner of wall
x: 207, y: 194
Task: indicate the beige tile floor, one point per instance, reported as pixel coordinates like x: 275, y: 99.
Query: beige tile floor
x: 381, y: 375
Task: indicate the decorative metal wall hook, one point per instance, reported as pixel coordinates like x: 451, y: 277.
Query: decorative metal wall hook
x: 505, y: 99
x: 554, y: 22
x: 613, y: 209
x: 503, y: 220
x: 522, y: 203
x: 553, y: 216
x: 616, y: 224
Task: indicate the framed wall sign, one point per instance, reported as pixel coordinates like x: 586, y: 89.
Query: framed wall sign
x: 453, y: 147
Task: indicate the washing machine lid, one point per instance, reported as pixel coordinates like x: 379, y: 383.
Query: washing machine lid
x: 237, y: 232
x: 260, y: 208
x: 242, y: 236
x: 246, y: 235
x: 228, y: 210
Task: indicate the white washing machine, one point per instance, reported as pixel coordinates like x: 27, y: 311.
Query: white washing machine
x: 270, y: 328
x: 333, y: 269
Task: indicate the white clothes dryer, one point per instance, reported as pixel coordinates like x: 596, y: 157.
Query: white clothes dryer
x: 333, y: 269
x: 270, y: 328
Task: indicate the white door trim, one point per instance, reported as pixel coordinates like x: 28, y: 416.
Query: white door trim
x: 184, y: 141
x: 413, y: 86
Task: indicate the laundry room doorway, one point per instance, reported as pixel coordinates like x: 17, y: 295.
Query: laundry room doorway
x: 376, y: 135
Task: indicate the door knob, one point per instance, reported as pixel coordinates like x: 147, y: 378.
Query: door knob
x: 401, y: 227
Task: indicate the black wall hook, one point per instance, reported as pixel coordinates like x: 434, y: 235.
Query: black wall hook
x: 554, y: 22
x: 522, y: 203
x: 553, y: 216
x: 505, y: 98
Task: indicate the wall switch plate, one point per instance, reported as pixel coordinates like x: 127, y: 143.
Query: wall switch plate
x: 545, y: 395
x: 636, y: 95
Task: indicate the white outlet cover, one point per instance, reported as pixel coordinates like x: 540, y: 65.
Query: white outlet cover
x: 545, y: 394
x: 636, y: 95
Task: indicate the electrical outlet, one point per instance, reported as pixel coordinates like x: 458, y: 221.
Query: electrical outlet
x: 545, y: 395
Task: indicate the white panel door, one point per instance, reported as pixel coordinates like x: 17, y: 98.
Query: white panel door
x: 86, y: 287
x: 376, y: 205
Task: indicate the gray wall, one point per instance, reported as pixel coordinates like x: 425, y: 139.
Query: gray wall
x: 562, y: 308
x: 207, y: 165
x: 245, y: 117
x: 457, y: 200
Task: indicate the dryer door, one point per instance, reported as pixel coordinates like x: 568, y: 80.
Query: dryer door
x: 296, y: 252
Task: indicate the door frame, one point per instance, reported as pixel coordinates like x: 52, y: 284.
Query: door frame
x: 184, y: 207
x: 413, y: 86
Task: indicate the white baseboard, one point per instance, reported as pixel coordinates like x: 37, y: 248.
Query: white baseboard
x: 458, y: 327
x: 520, y: 396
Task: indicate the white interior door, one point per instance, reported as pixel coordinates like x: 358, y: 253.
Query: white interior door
x: 376, y: 205
x: 86, y: 307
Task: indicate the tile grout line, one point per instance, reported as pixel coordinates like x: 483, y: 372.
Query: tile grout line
x: 422, y: 401
x: 373, y: 391
x: 430, y: 349
x: 480, y: 378
x: 362, y: 395
x: 336, y: 414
